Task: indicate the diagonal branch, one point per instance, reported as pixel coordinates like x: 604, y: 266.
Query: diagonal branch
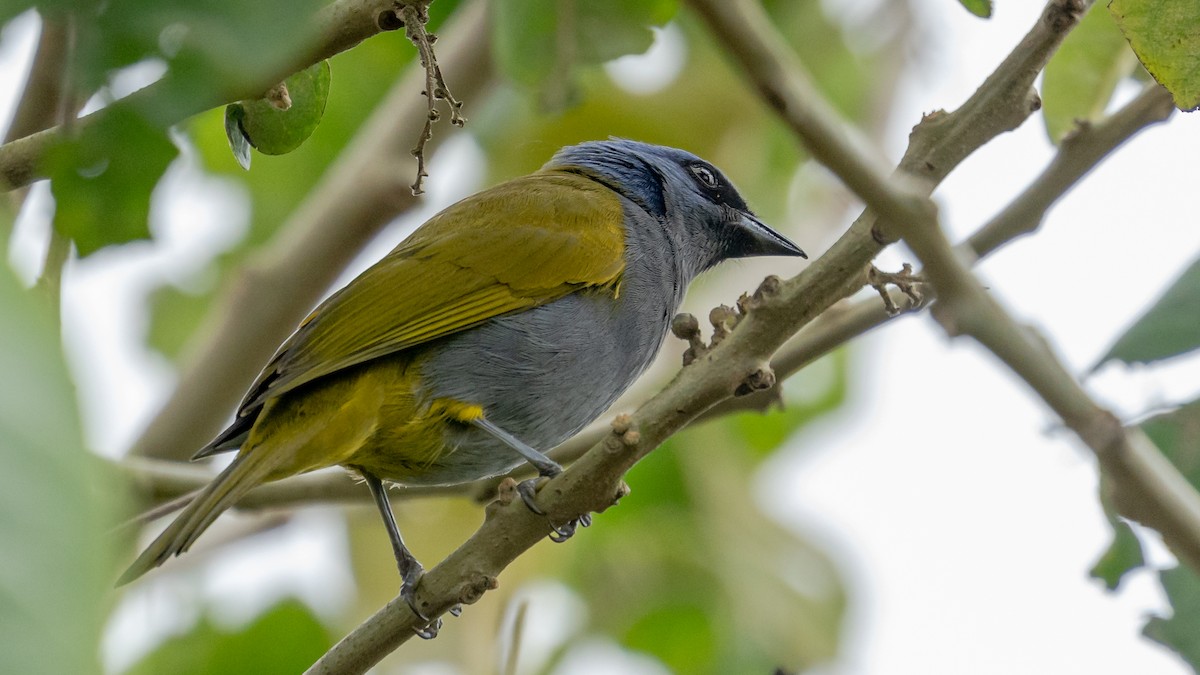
x: 360, y: 193
x: 778, y: 310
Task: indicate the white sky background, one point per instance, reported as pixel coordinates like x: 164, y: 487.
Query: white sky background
x: 964, y: 522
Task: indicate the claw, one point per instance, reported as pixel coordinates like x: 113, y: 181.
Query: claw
x: 429, y: 631
x: 528, y: 491
x: 411, y: 576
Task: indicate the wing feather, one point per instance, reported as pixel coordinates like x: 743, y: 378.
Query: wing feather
x: 518, y: 245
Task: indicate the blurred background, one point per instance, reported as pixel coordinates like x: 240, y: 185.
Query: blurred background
x: 910, y: 509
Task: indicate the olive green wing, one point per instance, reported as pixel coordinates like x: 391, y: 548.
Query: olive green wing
x: 518, y: 245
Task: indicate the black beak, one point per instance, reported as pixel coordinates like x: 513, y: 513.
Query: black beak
x: 755, y: 238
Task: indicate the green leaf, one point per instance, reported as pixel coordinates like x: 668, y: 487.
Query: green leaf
x: 1177, y: 434
x: 286, y: 639
x: 1165, y: 35
x: 102, y: 180
x: 210, y: 46
x: 57, y: 507
x: 275, y: 130
x: 1180, y: 632
x: 540, y: 45
x: 980, y: 8
x: 1124, y: 555
x: 1169, y: 328
x: 1081, y: 77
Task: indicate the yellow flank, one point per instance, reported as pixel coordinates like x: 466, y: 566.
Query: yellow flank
x: 456, y: 411
x: 370, y: 417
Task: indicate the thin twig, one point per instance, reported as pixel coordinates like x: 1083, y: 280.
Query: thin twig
x: 415, y: 16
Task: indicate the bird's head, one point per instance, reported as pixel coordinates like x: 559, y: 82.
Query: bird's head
x: 680, y: 191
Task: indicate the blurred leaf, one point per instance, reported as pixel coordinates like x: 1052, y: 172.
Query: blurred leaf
x: 689, y: 570
x: 286, y: 639
x: 56, y: 503
x: 1123, y: 555
x: 273, y: 131
x: 1082, y: 75
x: 209, y: 45
x: 681, y: 636
x: 1165, y: 35
x: 102, y: 180
x: 174, y: 314
x: 1168, y: 328
x: 1180, y: 632
x: 980, y: 8
x: 539, y: 44
x: 1177, y: 435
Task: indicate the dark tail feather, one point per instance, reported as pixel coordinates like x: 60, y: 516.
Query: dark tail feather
x: 246, y: 472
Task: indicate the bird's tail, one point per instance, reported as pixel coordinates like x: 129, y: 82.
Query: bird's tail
x: 246, y: 472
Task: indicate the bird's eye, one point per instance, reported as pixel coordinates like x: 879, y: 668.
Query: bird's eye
x: 705, y: 175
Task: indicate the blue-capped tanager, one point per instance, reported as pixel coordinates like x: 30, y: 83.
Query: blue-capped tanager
x: 497, y: 330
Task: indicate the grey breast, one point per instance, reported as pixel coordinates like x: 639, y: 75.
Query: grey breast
x: 545, y: 373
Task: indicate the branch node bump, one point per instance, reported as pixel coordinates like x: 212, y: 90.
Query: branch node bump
x: 506, y: 492
x: 685, y: 327
x: 278, y: 97
x: 388, y: 20
x: 621, y: 493
x: 723, y: 319
x: 767, y: 289
x: 471, y: 589
x: 624, y: 431
x: 762, y: 378
x: 1062, y: 16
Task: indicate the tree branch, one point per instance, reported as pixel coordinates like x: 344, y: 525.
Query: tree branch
x: 1147, y: 487
x: 777, y: 311
x: 39, y: 106
x: 335, y: 28
x: 360, y: 193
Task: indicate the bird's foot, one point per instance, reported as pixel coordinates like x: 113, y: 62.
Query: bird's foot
x: 411, y: 577
x: 558, y: 533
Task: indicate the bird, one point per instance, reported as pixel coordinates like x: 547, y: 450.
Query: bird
x: 498, y: 329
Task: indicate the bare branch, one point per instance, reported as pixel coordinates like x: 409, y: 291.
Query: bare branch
x: 938, y: 144
x: 778, y: 311
x: 1079, y: 153
x: 360, y: 193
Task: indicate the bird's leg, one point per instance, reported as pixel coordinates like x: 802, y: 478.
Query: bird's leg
x: 546, y: 468
x: 410, y: 568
